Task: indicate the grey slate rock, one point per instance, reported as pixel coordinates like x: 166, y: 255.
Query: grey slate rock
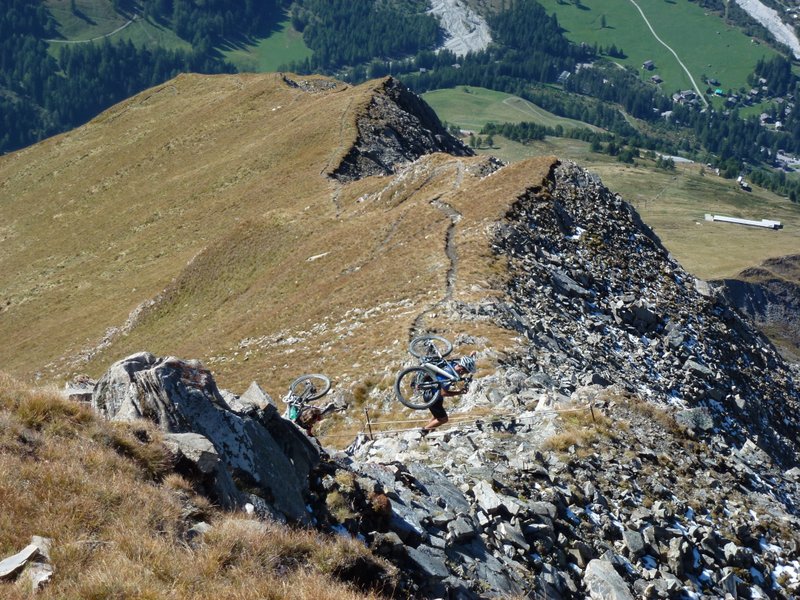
x: 461, y: 530
x: 604, y: 583
x: 208, y: 467
x: 695, y: 419
x: 634, y: 542
x: 182, y: 397
x: 430, y: 560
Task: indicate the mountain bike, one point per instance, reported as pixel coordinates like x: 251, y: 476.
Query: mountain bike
x: 303, y: 390
x: 420, y: 386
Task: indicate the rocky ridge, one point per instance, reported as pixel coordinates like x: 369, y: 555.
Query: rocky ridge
x: 600, y: 300
x: 395, y: 128
x: 681, y: 481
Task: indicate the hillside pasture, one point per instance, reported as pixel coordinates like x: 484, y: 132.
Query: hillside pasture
x: 92, y: 19
x: 96, y: 20
x: 284, y: 46
x: 674, y: 204
x: 702, y: 40
x: 472, y: 107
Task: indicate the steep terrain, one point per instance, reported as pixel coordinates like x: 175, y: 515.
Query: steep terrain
x: 630, y: 433
x: 770, y: 295
x: 218, y: 189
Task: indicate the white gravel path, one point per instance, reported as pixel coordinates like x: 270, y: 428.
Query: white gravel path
x: 466, y: 31
x: 770, y: 19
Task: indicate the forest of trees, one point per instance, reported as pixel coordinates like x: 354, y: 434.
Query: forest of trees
x: 348, y: 32
x: 206, y: 23
x: 41, y: 95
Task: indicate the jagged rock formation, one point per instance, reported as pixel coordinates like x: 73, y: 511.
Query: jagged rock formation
x: 599, y: 300
x: 646, y: 511
x: 682, y: 481
x: 770, y: 296
x: 273, y: 256
x: 396, y: 127
x: 690, y: 483
x: 252, y: 456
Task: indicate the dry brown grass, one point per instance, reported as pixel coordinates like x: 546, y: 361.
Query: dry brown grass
x: 201, y: 198
x: 662, y: 416
x: 581, y: 429
x: 674, y: 205
x: 117, y: 517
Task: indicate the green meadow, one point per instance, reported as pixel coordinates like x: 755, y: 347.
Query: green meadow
x: 472, y: 107
x: 284, y: 46
x: 674, y: 203
x: 96, y: 19
x: 702, y: 40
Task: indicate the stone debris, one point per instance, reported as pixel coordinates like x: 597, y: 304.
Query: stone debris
x: 267, y: 452
x: 465, y: 30
x: 31, y: 566
x: 395, y: 129
x: 682, y: 481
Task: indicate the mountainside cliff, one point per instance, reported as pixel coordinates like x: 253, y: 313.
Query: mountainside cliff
x: 770, y: 296
x: 629, y: 432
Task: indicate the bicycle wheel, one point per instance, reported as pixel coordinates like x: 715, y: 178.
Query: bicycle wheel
x: 310, y: 387
x: 426, y: 346
x: 415, y: 388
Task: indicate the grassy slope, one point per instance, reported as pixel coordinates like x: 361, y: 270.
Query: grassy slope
x: 111, y: 506
x: 472, y: 107
x: 282, y: 47
x: 703, y: 41
x: 674, y: 204
x: 197, y: 196
x: 97, y: 18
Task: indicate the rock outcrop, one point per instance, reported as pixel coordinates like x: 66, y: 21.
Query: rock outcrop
x: 626, y: 504
x: 641, y: 442
x: 254, y: 456
x: 396, y: 127
x: 770, y: 296
x: 599, y: 299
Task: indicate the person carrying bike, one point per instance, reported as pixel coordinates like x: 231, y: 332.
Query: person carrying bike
x: 465, y: 365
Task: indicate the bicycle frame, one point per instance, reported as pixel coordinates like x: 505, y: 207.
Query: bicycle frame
x: 439, y: 371
x: 434, y: 370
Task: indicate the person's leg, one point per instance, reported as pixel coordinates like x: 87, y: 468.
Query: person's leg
x: 439, y: 415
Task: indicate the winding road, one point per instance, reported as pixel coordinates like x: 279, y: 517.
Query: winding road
x: 675, y: 54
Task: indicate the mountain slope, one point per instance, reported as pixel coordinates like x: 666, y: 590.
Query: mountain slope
x: 770, y: 295
x: 273, y: 225
x: 199, y: 218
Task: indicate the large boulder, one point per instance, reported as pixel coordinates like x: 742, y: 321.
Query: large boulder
x: 603, y: 582
x: 263, y: 453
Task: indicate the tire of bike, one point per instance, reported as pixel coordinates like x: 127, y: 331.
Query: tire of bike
x: 418, y: 346
x: 408, y: 391
x: 319, y: 381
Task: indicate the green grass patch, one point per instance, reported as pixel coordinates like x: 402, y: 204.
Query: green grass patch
x: 284, y: 46
x: 702, y: 40
x: 96, y: 21
x: 93, y: 18
x: 472, y: 107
